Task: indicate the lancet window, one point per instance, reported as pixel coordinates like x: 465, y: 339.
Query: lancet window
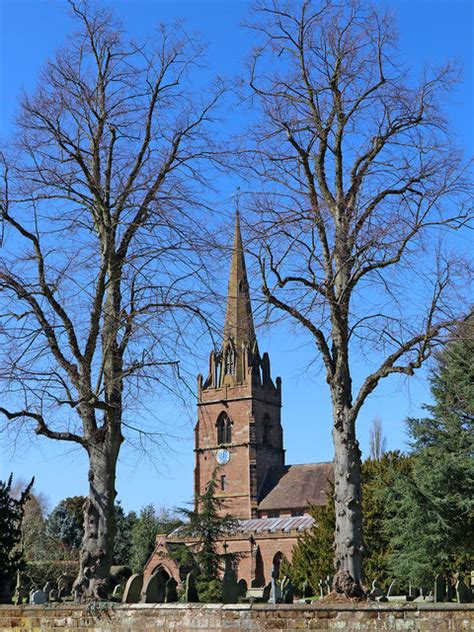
x: 224, y: 429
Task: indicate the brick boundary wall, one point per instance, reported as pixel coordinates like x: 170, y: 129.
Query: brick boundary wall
x: 233, y: 618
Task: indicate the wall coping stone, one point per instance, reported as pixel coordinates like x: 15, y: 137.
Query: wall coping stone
x: 97, y: 606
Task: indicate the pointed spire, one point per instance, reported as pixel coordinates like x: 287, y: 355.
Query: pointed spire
x: 238, y: 319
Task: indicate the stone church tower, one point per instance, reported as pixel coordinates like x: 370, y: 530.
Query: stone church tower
x: 238, y: 429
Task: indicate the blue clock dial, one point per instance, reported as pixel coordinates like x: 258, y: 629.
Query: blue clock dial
x: 223, y: 456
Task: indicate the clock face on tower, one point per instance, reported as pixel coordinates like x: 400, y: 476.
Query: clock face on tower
x: 223, y: 456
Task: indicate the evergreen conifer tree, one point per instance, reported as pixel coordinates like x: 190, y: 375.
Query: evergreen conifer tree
x: 144, y: 532
x: 432, y: 525
x: 208, y: 526
x: 313, y: 555
x: 378, y: 476
x: 65, y: 528
x: 11, y: 515
x: 124, y: 525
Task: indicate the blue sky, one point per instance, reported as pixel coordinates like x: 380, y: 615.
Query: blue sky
x: 431, y: 31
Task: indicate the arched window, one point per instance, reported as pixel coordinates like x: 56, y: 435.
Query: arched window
x: 224, y: 429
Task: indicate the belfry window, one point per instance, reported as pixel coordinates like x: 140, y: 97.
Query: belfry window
x: 229, y: 360
x: 224, y: 429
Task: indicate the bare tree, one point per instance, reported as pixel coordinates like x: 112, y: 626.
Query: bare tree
x: 99, y: 262
x: 378, y: 443
x: 363, y: 188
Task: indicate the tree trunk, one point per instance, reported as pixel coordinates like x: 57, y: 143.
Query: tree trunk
x: 99, y: 521
x: 348, y: 542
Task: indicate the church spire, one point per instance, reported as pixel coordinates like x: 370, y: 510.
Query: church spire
x: 238, y: 326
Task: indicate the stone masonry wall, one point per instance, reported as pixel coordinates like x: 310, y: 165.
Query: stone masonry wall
x: 233, y: 618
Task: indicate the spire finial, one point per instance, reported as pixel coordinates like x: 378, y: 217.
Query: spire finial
x: 237, y: 201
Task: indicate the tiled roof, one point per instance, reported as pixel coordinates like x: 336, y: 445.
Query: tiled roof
x: 295, y: 486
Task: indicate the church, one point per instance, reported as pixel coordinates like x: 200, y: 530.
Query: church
x: 239, y: 431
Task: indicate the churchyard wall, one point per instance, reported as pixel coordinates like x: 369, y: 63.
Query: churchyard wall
x: 191, y: 617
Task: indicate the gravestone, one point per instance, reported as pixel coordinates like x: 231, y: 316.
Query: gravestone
x: 47, y: 589
x: 119, y: 574
x: 288, y: 593
x: 328, y: 584
x: 53, y: 595
x: 171, y: 592
x: 275, y: 593
x: 133, y: 589
x: 321, y: 589
x: 307, y: 590
x: 117, y: 592
x: 242, y: 586
x: 391, y: 589
x: 190, y: 591
x: 230, y: 588
x: 153, y: 589
x: 65, y: 584
x: 463, y: 592
x: 450, y: 588
x: 21, y: 591
x: 38, y: 597
x: 267, y: 592
x: 376, y: 591
x: 440, y: 588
